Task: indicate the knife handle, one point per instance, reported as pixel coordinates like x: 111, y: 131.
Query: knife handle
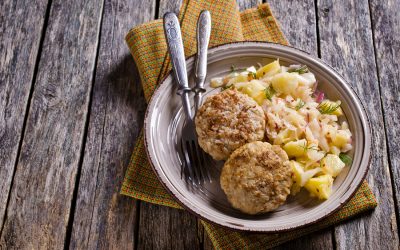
x: 173, y: 35
x: 203, y: 38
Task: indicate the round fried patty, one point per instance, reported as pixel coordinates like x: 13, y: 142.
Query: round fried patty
x: 227, y: 121
x: 257, y: 177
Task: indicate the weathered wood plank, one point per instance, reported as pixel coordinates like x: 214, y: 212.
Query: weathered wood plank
x: 103, y: 218
x: 166, y: 6
x: 246, y: 4
x: 298, y: 22
x: 40, y: 198
x: 346, y: 44
x: 166, y: 228
x: 19, y: 45
x: 162, y: 227
x: 385, y: 24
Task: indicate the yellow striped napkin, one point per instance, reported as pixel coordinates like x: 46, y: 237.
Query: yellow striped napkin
x: 149, y: 50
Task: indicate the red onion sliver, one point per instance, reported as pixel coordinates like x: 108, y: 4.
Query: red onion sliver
x: 320, y: 96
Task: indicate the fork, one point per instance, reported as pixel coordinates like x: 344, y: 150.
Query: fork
x: 193, y: 156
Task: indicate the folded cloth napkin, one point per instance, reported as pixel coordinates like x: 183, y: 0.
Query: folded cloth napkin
x: 149, y: 50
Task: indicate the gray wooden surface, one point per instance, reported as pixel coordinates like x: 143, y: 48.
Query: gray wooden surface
x: 71, y: 108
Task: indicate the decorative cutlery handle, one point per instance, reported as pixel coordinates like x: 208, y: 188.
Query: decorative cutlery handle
x: 203, y: 38
x: 175, y: 46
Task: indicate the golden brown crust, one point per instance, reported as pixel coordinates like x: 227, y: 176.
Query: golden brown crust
x: 257, y: 177
x: 227, y: 121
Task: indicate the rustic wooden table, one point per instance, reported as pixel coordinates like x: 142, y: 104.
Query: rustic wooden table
x: 71, y: 107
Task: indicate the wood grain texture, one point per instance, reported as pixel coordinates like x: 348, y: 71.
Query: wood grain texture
x: 298, y: 22
x: 346, y: 44
x: 169, y: 6
x: 19, y: 46
x: 207, y: 243
x: 103, y: 218
x: 386, y: 31
x: 40, y: 198
x: 246, y: 4
x: 162, y: 227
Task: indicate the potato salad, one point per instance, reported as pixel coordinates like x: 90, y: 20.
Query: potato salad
x: 300, y: 119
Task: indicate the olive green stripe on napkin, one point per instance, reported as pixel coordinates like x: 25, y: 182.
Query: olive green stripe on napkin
x: 149, y: 50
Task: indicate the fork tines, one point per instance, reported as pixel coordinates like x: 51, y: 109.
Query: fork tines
x: 194, y: 158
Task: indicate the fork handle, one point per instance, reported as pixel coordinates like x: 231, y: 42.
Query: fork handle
x: 176, y: 51
x: 203, y: 37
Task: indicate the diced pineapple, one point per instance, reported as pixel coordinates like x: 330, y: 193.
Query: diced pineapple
x: 242, y: 77
x: 306, y: 79
x: 302, y: 159
x: 216, y: 82
x: 312, y: 165
x: 332, y: 165
x: 313, y: 154
x: 285, y: 136
x: 341, y: 138
x: 300, y: 176
x: 255, y: 90
x: 227, y: 78
x: 238, y: 85
x: 335, y: 150
x: 338, y: 112
x: 298, y: 171
x: 320, y: 186
x: 268, y: 70
x: 295, y: 148
x: 285, y: 83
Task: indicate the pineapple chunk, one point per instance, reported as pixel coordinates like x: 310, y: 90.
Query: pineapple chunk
x: 338, y: 112
x: 295, y: 148
x: 341, y: 138
x: 216, y: 82
x: 306, y: 79
x: 300, y: 177
x: 255, y: 90
x: 242, y: 77
x: 332, y: 165
x: 314, y: 155
x: 335, y: 150
x: 285, y: 136
x: 285, y: 83
x: 320, y: 186
x: 268, y: 70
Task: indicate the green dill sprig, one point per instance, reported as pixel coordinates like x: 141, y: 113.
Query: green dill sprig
x: 233, y: 68
x: 300, y: 104
x: 252, y: 75
x: 269, y: 92
x: 309, y: 148
x: 328, y: 107
x: 301, y: 70
x: 345, y: 158
x: 225, y: 87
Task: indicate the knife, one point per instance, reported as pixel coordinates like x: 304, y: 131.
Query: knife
x: 175, y: 46
x: 203, y: 38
